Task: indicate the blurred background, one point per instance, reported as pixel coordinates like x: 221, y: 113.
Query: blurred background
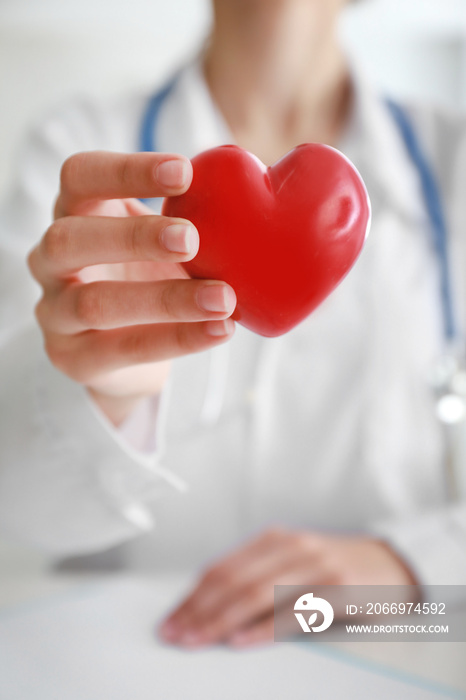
x: 51, y: 50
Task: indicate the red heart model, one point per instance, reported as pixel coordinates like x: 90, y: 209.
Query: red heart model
x: 283, y: 237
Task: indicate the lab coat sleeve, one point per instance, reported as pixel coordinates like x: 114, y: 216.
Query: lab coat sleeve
x: 69, y: 482
x: 433, y: 545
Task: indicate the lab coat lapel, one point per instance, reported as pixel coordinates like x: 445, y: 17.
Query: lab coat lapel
x: 189, y: 120
x: 402, y: 287
x: 374, y: 143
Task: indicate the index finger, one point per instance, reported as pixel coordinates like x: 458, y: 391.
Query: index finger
x: 97, y: 175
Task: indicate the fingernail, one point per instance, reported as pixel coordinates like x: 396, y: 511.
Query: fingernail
x: 192, y: 639
x: 219, y: 328
x: 172, y: 173
x: 169, y: 631
x: 216, y: 297
x: 179, y: 238
x: 240, y: 639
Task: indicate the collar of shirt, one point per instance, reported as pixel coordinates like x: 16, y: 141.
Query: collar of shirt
x: 190, y: 122
x: 373, y: 142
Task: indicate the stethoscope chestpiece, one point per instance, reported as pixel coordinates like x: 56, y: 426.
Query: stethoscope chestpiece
x: 448, y: 381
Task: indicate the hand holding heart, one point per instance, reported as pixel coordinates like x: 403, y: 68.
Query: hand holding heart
x: 117, y: 302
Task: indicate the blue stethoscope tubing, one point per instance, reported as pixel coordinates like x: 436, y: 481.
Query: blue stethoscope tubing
x: 437, y: 219
x: 150, y: 120
x: 430, y: 190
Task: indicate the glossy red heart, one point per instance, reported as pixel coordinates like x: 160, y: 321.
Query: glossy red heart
x: 283, y: 236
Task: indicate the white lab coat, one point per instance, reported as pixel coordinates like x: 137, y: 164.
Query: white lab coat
x: 331, y: 426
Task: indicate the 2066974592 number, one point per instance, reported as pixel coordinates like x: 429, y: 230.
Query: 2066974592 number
x: 405, y: 608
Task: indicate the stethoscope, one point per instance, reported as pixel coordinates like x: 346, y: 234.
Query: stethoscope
x: 448, y: 375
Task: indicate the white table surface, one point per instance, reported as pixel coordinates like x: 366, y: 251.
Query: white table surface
x: 432, y: 665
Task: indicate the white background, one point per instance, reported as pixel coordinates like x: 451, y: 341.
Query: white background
x: 51, y: 49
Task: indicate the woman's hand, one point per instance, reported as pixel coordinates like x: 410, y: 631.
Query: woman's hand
x: 116, y: 304
x: 234, y: 600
